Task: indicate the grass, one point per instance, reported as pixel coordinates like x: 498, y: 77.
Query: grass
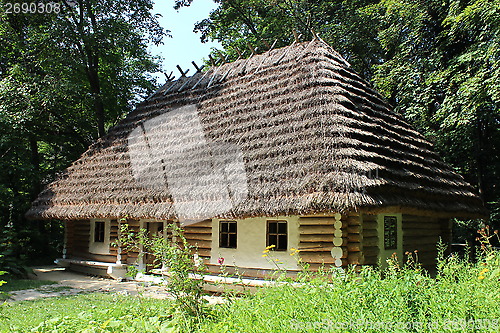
x: 97, y: 312
x: 461, y: 297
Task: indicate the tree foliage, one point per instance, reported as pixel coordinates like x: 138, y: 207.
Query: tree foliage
x: 64, y: 79
x: 436, y: 61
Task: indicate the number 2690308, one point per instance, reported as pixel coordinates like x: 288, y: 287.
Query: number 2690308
x: 32, y: 7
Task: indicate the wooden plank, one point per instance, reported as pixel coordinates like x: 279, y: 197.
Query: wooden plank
x: 353, y: 221
x: 370, y: 260
x: 427, y: 240
x: 354, y: 238
x: 316, y: 230
x: 417, y: 225
x: 369, y: 218
x: 370, y: 233
x: 316, y: 238
x: 200, y: 243
x: 417, y: 218
x: 356, y: 229
x: 421, y: 233
x: 370, y: 241
x: 317, y: 258
x: 354, y: 247
x: 198, y: 230
x: 316, y: 221
x: 355, y: 258
x: 202, y: 224
x: 327, y: 248
x: 370, y: 225
x: 205, y: 237
x: 371, y: 251
x: 203, y: 252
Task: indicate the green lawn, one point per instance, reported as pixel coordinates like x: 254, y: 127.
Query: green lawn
x: 462, y: 297
x: 95, y: 312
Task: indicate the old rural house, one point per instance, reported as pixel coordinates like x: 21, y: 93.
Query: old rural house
x: 288, y: 148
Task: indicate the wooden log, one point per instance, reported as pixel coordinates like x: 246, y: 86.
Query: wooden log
x: 200, y: 230
x: 418, y: 225
x: 340, y: 241
x: 314, y: 245
x: 371, y: 251
x: 316, y: 249
x: 369, y: 218
x: 370, y: 225
x: 316, y: 221
x: 370, y: 260
x: 370, y: 241
x: 316, y: 230
x: 202, y: 224
x: 317, y: 258
x: 352, y: 221
x: 417, y: 218
x: 421, y: 233
x: 354, y: 247
x: 316, y: 238
x: 427, y: 240
x: 200, y: 243
x: 370, y: 233
x: 355, y: 258
x: 354, y: 238
x: 205, y: 237
x: 338, y: 252
x: 203, y: 252
x: 354, y: 229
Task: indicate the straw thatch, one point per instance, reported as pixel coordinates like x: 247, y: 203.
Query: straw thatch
x: 311, y: 134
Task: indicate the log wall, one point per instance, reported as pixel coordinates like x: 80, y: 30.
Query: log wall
x: 370, y: 239
x: 77, y: 242
x: 422, y: 233
x: 319, y: 238
x: 199, y: 235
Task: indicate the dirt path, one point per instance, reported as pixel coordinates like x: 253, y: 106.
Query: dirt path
x: 70, y: 283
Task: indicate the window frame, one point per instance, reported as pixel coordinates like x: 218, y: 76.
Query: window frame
x: 278, y: 235
x: 230, y: 234
x: 99, y: 235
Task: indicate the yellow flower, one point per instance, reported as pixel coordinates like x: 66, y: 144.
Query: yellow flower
x: 484, y: 270
x: 270, y: 247
x: 264, y: 255
x: 265, y: 251
x: 480, y: 277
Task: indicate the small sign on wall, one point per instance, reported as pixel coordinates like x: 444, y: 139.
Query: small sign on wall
x: 390, y: 232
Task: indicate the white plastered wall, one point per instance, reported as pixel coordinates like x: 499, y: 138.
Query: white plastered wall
x: 99, y: 247
x: 251, y: 241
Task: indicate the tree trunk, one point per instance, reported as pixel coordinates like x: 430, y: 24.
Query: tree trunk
x: 95, y: 89
x: 35, y: 163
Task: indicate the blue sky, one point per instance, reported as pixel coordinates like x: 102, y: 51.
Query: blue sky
x: 185, y: 45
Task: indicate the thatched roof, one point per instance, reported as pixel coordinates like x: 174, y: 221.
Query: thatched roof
x: 291, y: 131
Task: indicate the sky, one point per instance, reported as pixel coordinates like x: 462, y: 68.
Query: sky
x: 185, y: 45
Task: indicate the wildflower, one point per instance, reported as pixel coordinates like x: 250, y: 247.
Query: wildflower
x: 484, y: 270
x: 270, y: 247
x: 480, y: 277
x: 265, y: 251
x: 264, y: 255
x: 220, y: 261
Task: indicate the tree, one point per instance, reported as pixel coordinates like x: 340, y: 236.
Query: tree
x: 436, y: 62
x: 64, y: 78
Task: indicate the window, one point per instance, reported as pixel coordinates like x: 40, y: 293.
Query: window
x: 277, y: 235
x: 99, y: 232
x: 227, y: 234
x: 390, y: 232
